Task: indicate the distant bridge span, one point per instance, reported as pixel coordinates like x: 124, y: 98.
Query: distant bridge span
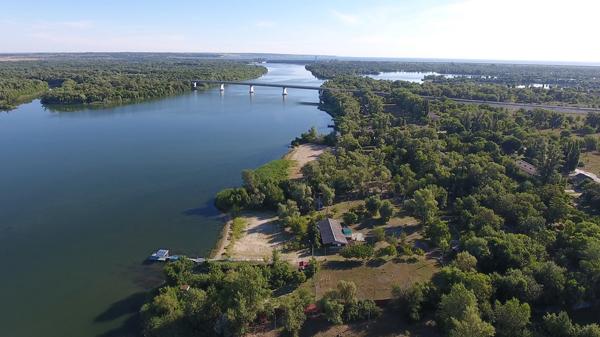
x: 275, y: 85
x: 510, y: 105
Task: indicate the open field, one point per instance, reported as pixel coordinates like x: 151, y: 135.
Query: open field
x: 373, y: 279
x: 301, y: 155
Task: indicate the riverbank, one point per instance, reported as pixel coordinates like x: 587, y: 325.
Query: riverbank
x: 262, y: 232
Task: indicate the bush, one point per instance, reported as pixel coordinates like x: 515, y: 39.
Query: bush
x: 587, y: 130
x: 233, y: 199
x: 350, y: 218
x: 420, y: 252
x: 379, y: 233
x: 357, y: 251
x: 313, y: 267
x: 298, y: 278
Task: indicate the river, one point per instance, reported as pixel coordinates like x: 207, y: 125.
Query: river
x: 87, y: 196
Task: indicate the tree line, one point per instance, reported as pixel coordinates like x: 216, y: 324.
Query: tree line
x: 582, y: 77
x: 108, y: 80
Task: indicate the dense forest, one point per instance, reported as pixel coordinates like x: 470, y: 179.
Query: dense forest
x: 473, y: 91
x: 99, y: 80
x: 544, y: 84
x: 587, y: 77
x: 512, y: 243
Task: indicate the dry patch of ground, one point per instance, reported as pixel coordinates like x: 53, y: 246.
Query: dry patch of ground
x: 373, y: 278
x: 303, y: 154
x: 261, y: 236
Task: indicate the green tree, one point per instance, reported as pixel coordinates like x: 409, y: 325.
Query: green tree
x: 591, y: 142
x: 299, y: 226
x: 389, y: 250
x: 350, y: 218
x: 465, y: 262
x: 233, y: 199
x: 293, y: 315
x: 328, y: 194
x: 511, y: 318
x: 331, y: 308
x: 379, y: 233
x: 471, y: 325
x: 424, y: 205
x: 409, y: 300
x: 386, y: 210
x: 437, y: 231
x: 571, y: 151
x: 453, y: 306
x: 373, y: 203
x: 346, y: 291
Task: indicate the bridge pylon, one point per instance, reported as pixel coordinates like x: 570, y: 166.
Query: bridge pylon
x: 284, y: 91
x: 222, y: 87
x: 252, y: 89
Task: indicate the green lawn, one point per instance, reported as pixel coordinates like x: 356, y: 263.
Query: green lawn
x: 277, y: 170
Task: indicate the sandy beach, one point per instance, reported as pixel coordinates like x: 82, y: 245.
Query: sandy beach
x: 262, y: 232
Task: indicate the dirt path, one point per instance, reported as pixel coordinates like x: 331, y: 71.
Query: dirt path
x: 303, y: 154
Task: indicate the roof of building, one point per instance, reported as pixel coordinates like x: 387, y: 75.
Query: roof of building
x: 184, y: 287
x: 585, y: 174
x: 433, y: 116
x: 525, y: 166
x: 162, y: 252
x: 331, y: 232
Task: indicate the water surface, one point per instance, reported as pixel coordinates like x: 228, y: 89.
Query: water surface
x: 86, y: 196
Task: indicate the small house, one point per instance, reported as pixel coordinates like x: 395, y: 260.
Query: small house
x: 526, y: 167
x: 303, y: 264
x: 331, y: 233
x: 578, y: 176
x: 184, y: 287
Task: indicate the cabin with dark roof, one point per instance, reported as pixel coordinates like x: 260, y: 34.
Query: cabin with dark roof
x: 526, y: 167
x: 331, y: 233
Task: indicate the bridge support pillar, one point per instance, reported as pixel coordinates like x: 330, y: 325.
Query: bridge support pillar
x: 222, y: 87
x: 251, y: 89
x: 194, y: 84
x: 284, y: 91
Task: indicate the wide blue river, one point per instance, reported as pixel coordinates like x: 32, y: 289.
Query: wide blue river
x: 86, y: 196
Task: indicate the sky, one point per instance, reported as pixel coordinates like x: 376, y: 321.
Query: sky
x: 536, y: 30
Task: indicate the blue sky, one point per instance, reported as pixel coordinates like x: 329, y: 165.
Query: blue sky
x: 468, y: 29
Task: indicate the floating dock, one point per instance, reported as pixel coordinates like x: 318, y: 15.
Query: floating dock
x: 163, y: 255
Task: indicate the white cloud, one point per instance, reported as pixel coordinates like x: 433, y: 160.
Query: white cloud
x: 345, y: 18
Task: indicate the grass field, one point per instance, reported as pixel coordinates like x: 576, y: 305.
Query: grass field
x: 373, y: 278
x: 277, y: 170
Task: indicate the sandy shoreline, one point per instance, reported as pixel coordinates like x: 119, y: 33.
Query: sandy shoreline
x: 262, y: 232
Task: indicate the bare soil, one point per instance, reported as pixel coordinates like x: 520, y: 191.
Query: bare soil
x: 301, y: 155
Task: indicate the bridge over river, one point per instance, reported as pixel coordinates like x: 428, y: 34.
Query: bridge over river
x: 510, y: 105
x: 283, y: 86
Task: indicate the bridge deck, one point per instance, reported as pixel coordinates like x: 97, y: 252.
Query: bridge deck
x: 289, y: 86
x: 565, y: 109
